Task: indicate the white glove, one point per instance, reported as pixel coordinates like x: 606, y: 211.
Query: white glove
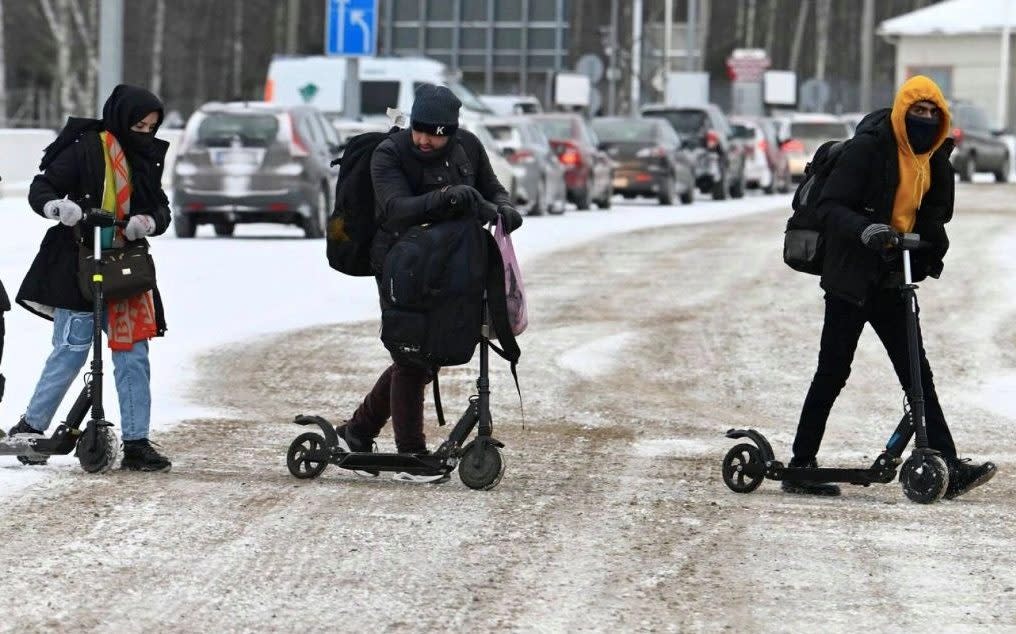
x: 138, y: 227
x: 66, y: 211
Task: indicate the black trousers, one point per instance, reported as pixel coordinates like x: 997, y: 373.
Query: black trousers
x: 844, y: 322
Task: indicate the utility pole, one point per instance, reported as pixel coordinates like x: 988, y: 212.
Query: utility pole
x: 292, y: 26
x: 110, y: 49
x: 1003, y: 71
x: 693, y: 18
x: 867, y: 51
x: 668, y: 25
x: 636, y: 56
x: 612, y: 72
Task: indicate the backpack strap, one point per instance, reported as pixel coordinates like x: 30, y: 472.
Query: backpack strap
x: 497, y: 309
x: 437, y: 399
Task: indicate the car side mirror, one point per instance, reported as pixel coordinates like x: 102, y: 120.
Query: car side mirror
x: 1000, y: 132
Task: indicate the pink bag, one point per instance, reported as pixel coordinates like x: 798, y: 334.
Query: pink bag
x: 513, y: 289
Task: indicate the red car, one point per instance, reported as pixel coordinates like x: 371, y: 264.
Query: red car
x: 589, y: 172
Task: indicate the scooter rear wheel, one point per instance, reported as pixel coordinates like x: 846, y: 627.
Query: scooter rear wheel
x: 296, y: 458
x: 103, y: 455
x: 734, y: 464
x: 925, y: 478
x: 481, y: 466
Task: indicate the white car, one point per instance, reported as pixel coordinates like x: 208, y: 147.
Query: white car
x: 803, y: 133
x: 509, y: 105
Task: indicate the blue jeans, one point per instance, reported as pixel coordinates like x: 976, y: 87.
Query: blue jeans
x: 72, y: 340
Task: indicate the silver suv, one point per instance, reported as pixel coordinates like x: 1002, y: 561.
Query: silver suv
x: 254, y: 162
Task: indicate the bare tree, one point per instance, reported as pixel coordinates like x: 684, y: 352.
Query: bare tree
x: 86, y: 32
x: 56, y: 17
x: 823, y: 13
x: 3, y: 72
x: 749, y: 35
x: 770, y: 41
x: 795, y: 48
x: 237, y: 49
x: 159, y: 28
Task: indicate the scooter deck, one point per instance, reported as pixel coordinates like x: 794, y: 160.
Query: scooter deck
x: 61, y: 443
x: 407, y: 462
x: 861, y: 477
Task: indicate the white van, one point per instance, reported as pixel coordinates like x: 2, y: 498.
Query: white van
x: 384, y: 82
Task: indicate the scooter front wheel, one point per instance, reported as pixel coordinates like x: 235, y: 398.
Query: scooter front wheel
x: 925, y: 478
x: 296, y: 458
x: 743, y: 468
x: 481, y: 466
x: 101, y: 457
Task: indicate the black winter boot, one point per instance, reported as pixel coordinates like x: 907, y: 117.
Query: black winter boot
x: 353, y: 444
x: 140, y: 455
x: 808, y: 488
x: 24, y: 428
x: 964, y: 476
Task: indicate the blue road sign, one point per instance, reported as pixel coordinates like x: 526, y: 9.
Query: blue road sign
x: 351, y: 28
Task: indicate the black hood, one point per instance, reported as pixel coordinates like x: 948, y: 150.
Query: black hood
x: 125, y: 107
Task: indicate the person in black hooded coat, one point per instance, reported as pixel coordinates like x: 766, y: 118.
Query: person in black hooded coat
x: 863, y: 211
x: 5, y: 305
x: 74, y: 177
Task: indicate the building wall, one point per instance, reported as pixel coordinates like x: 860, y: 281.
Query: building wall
x: 974, y: 64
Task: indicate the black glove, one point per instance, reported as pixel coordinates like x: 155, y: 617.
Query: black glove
x: 879, y: 237
x: 462, y: 200
x: 511, y: 218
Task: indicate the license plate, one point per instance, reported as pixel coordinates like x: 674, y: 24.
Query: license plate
x: 620, y: 183
x: 236, y: 157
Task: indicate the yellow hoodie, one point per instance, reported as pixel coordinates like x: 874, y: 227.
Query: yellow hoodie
x: 915, y: 169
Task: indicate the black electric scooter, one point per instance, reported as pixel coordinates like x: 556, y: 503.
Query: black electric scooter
x: 480, y: 462
x: 924, y: 475
x: 95, y: 446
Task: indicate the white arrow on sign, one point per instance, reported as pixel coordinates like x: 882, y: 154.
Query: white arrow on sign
x: 356, y: 17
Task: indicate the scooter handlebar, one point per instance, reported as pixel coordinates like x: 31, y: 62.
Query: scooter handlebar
x: 911, y: 242
x: 94, y: 217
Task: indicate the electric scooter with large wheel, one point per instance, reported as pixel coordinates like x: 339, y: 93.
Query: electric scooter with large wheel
x: 480, y: 461
x: 924, y: 474
x: 96, y: 445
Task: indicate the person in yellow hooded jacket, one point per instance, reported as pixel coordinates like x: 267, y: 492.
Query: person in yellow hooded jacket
x: 893, y: 177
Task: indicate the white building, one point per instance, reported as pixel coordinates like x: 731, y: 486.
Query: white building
x: 962, y: 45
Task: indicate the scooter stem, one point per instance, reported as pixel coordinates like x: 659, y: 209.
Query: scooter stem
x: 916, y: 394
x: 95, y: 384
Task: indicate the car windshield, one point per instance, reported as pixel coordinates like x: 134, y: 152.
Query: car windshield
x: 251, y: 130
x: 688, y: 123
x: 625, y: 131
x: 742, y: 131
x: 505, y: 135
x: 819, y: 130
x: 556, y: 128
x: 468, y: 98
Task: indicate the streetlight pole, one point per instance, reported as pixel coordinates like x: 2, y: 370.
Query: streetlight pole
x: 110, y: 49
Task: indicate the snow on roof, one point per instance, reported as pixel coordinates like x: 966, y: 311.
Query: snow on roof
x: 953, y: 17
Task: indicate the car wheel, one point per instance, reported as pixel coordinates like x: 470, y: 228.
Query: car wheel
x: 688, y: 195
x: 720, y: 188
x: 184, y: 226
x: 667, y: 192
x: 314, y: 226
x: 737, y: 188
x: 582, y: 199
x: 1002, y: 175
x: 969, y: 169
x: 224, y: 229
x: 540, y: 204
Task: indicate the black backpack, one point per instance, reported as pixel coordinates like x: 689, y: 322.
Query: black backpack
x: 803, y: 244
x: 432, y: 292
x: 352, y: 224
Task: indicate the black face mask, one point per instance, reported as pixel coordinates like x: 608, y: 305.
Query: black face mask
x: 140, y: 141
x: 922, y: 133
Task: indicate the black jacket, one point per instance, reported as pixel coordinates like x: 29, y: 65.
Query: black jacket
x: 860, y: 191
x: 407, y: 185
x: 75, y: 167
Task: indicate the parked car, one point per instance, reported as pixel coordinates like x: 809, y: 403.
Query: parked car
x: 978, y: 148
x: 719, y: 158
x: 507, y: 105
x: 765, y: 164
x: 651, y: 160
x: 589, y: 172
x: 803, y: 133
x: 852, y: 119
x: 502, y: 168
x: 254, y: 162
x: 538, y: 173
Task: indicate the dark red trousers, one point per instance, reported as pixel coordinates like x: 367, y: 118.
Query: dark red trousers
x: 398, y: 394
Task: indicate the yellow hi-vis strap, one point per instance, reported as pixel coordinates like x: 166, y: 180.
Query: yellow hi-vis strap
x: 97, y: 277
